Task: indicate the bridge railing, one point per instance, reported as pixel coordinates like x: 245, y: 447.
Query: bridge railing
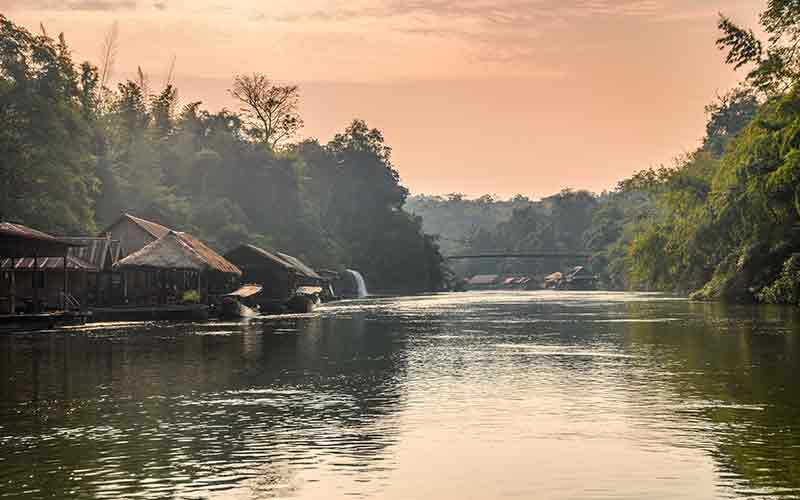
x: 524, y: 255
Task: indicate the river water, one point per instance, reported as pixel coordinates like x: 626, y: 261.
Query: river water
x: 547, y: 395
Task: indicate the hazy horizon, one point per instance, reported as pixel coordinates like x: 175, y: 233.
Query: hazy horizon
x: 513, y: 97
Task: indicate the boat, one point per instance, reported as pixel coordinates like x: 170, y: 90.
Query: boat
x: 305, y: 299
x: 232, y: 303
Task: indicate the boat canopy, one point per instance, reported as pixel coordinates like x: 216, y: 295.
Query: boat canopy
x: 245, y: 291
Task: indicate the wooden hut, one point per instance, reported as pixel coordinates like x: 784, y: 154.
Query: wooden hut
x: 176, y: 268
x: 90, y: 276
x: 27, y: 255
x: 100, y: 284
x: 280, y: 275
x: 483, y: 282
x: 134, y: 233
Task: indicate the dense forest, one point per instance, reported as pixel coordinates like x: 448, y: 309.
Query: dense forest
x: 77, y: 151
x: 721, y: 223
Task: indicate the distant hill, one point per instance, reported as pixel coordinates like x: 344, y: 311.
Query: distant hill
x: 456, y: 219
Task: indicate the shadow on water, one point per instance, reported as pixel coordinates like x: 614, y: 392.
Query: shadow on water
x: 189, y: 410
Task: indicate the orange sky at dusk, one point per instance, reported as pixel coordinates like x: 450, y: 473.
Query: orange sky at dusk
x: 475, y: 96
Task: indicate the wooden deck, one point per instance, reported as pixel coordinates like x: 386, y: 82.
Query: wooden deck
x: 150, y: 313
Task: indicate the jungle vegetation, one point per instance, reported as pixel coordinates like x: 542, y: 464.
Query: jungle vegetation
x: 76, y: 151
x: 721, y: 222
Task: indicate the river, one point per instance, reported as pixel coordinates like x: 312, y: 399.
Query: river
x: 493, y: 395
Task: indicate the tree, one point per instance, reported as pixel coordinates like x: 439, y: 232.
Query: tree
x: 108, y: 54
x: 271, y: 108
x: 776, y: 67
x: 46, y: 169
x: 731, y: 113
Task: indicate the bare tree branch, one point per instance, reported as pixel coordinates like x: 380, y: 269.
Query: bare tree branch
x: 272, y: 107
x: 170, y: 72
x: 143, y: 81
x: 108, y: 54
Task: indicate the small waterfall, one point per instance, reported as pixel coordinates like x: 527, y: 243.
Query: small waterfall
x: 360, y: 283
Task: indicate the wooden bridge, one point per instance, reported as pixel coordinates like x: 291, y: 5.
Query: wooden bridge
x: 526, y: 255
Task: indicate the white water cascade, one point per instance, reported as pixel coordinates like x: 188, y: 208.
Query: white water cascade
x: 360, y: 283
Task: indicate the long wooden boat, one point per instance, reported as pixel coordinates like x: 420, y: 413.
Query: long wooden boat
x: 305, y: 299
x: 233, y: 303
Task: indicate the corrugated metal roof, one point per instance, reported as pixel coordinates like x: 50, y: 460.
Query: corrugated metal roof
x: 46, y: 263
x: 178, y: 251
x: 95, y: 250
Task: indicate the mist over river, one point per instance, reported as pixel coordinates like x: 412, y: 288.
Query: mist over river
x: 493, y: 395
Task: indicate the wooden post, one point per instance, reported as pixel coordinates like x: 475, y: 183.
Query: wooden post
x: 162, y: 294
x: 13, y: 298
x: 66, y: 280
x: 97, y: 299
x: 34, y: 274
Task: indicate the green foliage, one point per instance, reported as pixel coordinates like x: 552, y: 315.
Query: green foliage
x: 46, y: 163
x: 786, y: 288
x: 727, y: 117
x: 722, y: 224
x: 191, y: 297
x: 457, y: 220
x: 776, y: 67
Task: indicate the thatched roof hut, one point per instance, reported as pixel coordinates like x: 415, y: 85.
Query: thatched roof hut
x: 178, y: 251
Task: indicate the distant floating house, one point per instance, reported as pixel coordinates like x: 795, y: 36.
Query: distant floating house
x: 281, y: 275
x: 553, y: 280
x: 166, y: 270
x: 483, y: 281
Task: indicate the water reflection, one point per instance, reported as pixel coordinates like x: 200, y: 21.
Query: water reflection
x: 484, y: 395
x: 736, y: 368
x: 194, y: 410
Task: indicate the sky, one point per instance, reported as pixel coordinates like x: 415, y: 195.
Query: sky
x: 474, y: 96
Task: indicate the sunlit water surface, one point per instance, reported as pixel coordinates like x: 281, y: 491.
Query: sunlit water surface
x: 480, y: 395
